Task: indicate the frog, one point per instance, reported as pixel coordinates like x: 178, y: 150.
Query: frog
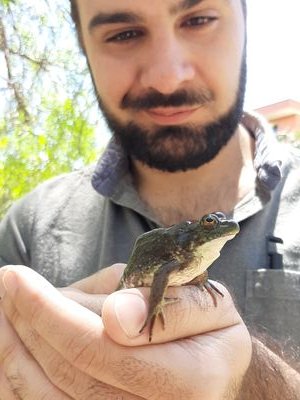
x: 177, y: 255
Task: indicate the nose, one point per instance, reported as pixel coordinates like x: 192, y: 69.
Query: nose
x: 167, y: 66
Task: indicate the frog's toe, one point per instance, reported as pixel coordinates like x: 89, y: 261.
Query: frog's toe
x: 212, y: 286
x: 158, y: 312
x: 162, y: 318
x: 151, y: 321
x: 144, y: 325
x: 212, y: 290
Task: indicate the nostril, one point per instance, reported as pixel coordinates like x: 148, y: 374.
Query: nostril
x: 166, y: 79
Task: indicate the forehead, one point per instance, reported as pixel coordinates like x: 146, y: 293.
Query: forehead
x: 139, y: 6
x: 101, y: 12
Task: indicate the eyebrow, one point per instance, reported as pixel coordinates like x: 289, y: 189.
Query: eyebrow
x: 113, y: 18
x: 132, y: 18
x: 184, y: 5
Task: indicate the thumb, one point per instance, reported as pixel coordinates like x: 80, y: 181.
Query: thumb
x: 125, y: 311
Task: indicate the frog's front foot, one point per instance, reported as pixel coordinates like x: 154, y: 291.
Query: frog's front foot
x: 157, y: 311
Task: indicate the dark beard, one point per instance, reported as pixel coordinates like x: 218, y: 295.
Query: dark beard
x: 177, y: 148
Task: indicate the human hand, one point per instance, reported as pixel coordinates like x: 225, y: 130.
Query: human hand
x: 30, y: 368
x: 208, y: 357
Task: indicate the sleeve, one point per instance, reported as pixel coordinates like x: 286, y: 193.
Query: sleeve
x: 15, y: 233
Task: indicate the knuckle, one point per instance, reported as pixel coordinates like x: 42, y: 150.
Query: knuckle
x: 82, y: 350
x: 9, y: 353
x: 10, y: 311
x: 17, y: 385
x: 32, y: 341
x: 28, y: 336
x: 60, y: 372
x: 70, y: 380
x: 13, y: 314
x: 96, y: 390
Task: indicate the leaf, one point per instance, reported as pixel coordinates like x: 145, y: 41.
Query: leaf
x: 3, y: 142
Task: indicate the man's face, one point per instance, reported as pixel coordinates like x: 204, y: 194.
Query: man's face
x: 170, y: 75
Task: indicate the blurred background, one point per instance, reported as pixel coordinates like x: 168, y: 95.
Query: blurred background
x: 49, y: 119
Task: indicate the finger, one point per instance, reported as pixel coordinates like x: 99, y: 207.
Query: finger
x: 124, y: 313
x: 60, y: 372
x: 21, y: 375
x: 104, y: 281
x: 90, y: 292
x: 93, y: 302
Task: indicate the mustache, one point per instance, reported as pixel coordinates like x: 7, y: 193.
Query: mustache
x: 156, y: 99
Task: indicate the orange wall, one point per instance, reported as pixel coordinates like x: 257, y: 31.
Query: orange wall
x: 285, y: 115
x: 289, y: 123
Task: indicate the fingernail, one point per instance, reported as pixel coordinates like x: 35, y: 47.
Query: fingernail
x: 131, y: 311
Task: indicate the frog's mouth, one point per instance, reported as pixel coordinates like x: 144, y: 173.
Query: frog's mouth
x: 230, y: 228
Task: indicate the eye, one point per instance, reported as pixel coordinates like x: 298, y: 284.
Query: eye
x: 209, y: 221
x: 125, y: 36
x: 220, y: 215
x: 196, y: 22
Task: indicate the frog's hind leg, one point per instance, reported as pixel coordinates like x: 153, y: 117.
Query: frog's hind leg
x: 157, y: 301
x: 202, y: 282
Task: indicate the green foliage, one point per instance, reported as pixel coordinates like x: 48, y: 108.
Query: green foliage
x: 49, y: 109
x: 29, y: 156
x: 5, y: 3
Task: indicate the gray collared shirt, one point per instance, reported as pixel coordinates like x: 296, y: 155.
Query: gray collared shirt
x: 68, y: 228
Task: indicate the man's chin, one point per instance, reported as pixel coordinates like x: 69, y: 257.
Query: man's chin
x: 173, y: 148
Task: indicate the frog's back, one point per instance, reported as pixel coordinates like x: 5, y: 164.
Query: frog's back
x: 152, y: 246
x: 156, y: 249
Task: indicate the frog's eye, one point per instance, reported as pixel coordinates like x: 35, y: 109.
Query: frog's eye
x: 220, y: 215
x: 210, y: 221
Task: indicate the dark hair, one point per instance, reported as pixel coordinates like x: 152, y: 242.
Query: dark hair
x: 76, y: 18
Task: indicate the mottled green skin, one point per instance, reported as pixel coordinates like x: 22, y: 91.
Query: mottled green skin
x: 176, y: 256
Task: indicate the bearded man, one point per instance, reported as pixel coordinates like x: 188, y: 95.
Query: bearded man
x: 170, y: 80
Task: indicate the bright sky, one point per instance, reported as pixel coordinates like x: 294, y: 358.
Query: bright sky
x: 273, y: 51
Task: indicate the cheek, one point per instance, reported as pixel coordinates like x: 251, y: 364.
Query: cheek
x: 221, y: 59
x: 224, y: 69
x: 113, y: 78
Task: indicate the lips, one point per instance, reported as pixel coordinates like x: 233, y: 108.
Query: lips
x: 170, y: 115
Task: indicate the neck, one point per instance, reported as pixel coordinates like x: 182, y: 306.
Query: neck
x: 216, y: 186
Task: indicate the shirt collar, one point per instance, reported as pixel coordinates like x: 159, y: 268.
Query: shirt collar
x: 267, y: 156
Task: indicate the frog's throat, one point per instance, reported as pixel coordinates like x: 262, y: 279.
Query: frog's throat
x: 210, y: 251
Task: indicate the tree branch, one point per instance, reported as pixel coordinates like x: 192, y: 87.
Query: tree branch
x: 11, y: 83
